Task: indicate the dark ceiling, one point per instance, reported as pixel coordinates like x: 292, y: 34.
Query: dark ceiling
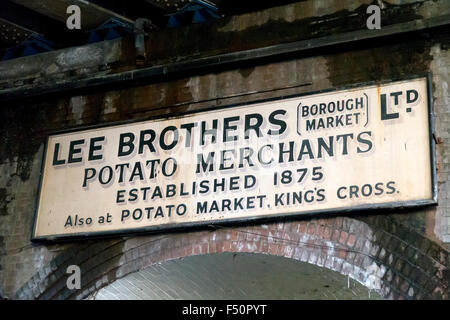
x: 20, y: 19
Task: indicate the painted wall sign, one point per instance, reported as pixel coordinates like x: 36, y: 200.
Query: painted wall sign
x: 359, y: 148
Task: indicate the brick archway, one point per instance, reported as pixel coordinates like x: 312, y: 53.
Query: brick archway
x: 377, y: 259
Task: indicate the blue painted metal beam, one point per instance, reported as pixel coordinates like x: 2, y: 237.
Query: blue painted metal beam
x: 197, y: 11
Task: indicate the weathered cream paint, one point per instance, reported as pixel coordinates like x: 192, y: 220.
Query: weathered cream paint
x: 400, y: 153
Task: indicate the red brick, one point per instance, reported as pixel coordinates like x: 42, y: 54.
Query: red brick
x: 320, y: 231
x: 338, y: 222
x: 264, y: 233
x: 324, y: 247
x: 227, y: 246
x: 320, y: 222
x: 336, y: 235
x: 343, y: 237
x: 327, y: 233
x: 342, y: 253
x: 310, y: 244
x: 311, y: 228
x: 351, y: 240
x: 288, y: 251
x: 303, y: 227
x: 196, y: 249
x: 264, y: 247
x: 294, y: 227
x: 295, y: 238
x: 257, y: 246
x: 273, y: 249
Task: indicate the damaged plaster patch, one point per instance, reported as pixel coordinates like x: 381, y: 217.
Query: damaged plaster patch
x: 77, y: 108
x: 109, y: 102
x: 194, y: 87
x: 78, y: 56
x: 89, y: 55
x: 374, y: 275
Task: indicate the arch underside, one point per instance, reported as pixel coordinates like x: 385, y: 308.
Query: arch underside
x: 234, y: 276
x: 376, y: 259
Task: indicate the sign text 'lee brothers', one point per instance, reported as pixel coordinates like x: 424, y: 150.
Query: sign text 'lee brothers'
x: 325, y: 152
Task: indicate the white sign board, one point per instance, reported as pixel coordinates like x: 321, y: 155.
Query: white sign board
x: 360, y: 148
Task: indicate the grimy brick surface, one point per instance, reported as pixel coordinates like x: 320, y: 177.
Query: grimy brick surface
x: 399, y: 254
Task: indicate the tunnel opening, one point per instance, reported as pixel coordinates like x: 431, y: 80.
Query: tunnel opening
x: 237, y: 276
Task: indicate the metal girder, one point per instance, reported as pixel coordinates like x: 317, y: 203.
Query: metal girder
x: 92, y: 16
x: 33, y: 45
x: 197, y: 11
x: 171, y: 6
x: 12, y: 34
x: 233, y: 7
x: 138, y: 9
x: 227, y: 7
x: 227, y: 60
x: 21, y: 22
x: 26, y: 19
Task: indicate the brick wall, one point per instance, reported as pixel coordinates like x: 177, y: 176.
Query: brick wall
x: 382, y: 261
x: 401, y: 254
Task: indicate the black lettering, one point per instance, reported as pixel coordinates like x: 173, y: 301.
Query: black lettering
x: 126, y: 141
x: 73, y: 151
x: 328, y: 147
x: 57, y: 161
x: 93, y: 147
x: 212, y: 132
x: 162, y: 137
x: 89, y: 173
x: 255, y: 127
x: 364, y: 141
x: 278, y: 122
x: 205, y: 164
x: 143, y: 142
x: 227, y: 127
x: 391, y: 186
